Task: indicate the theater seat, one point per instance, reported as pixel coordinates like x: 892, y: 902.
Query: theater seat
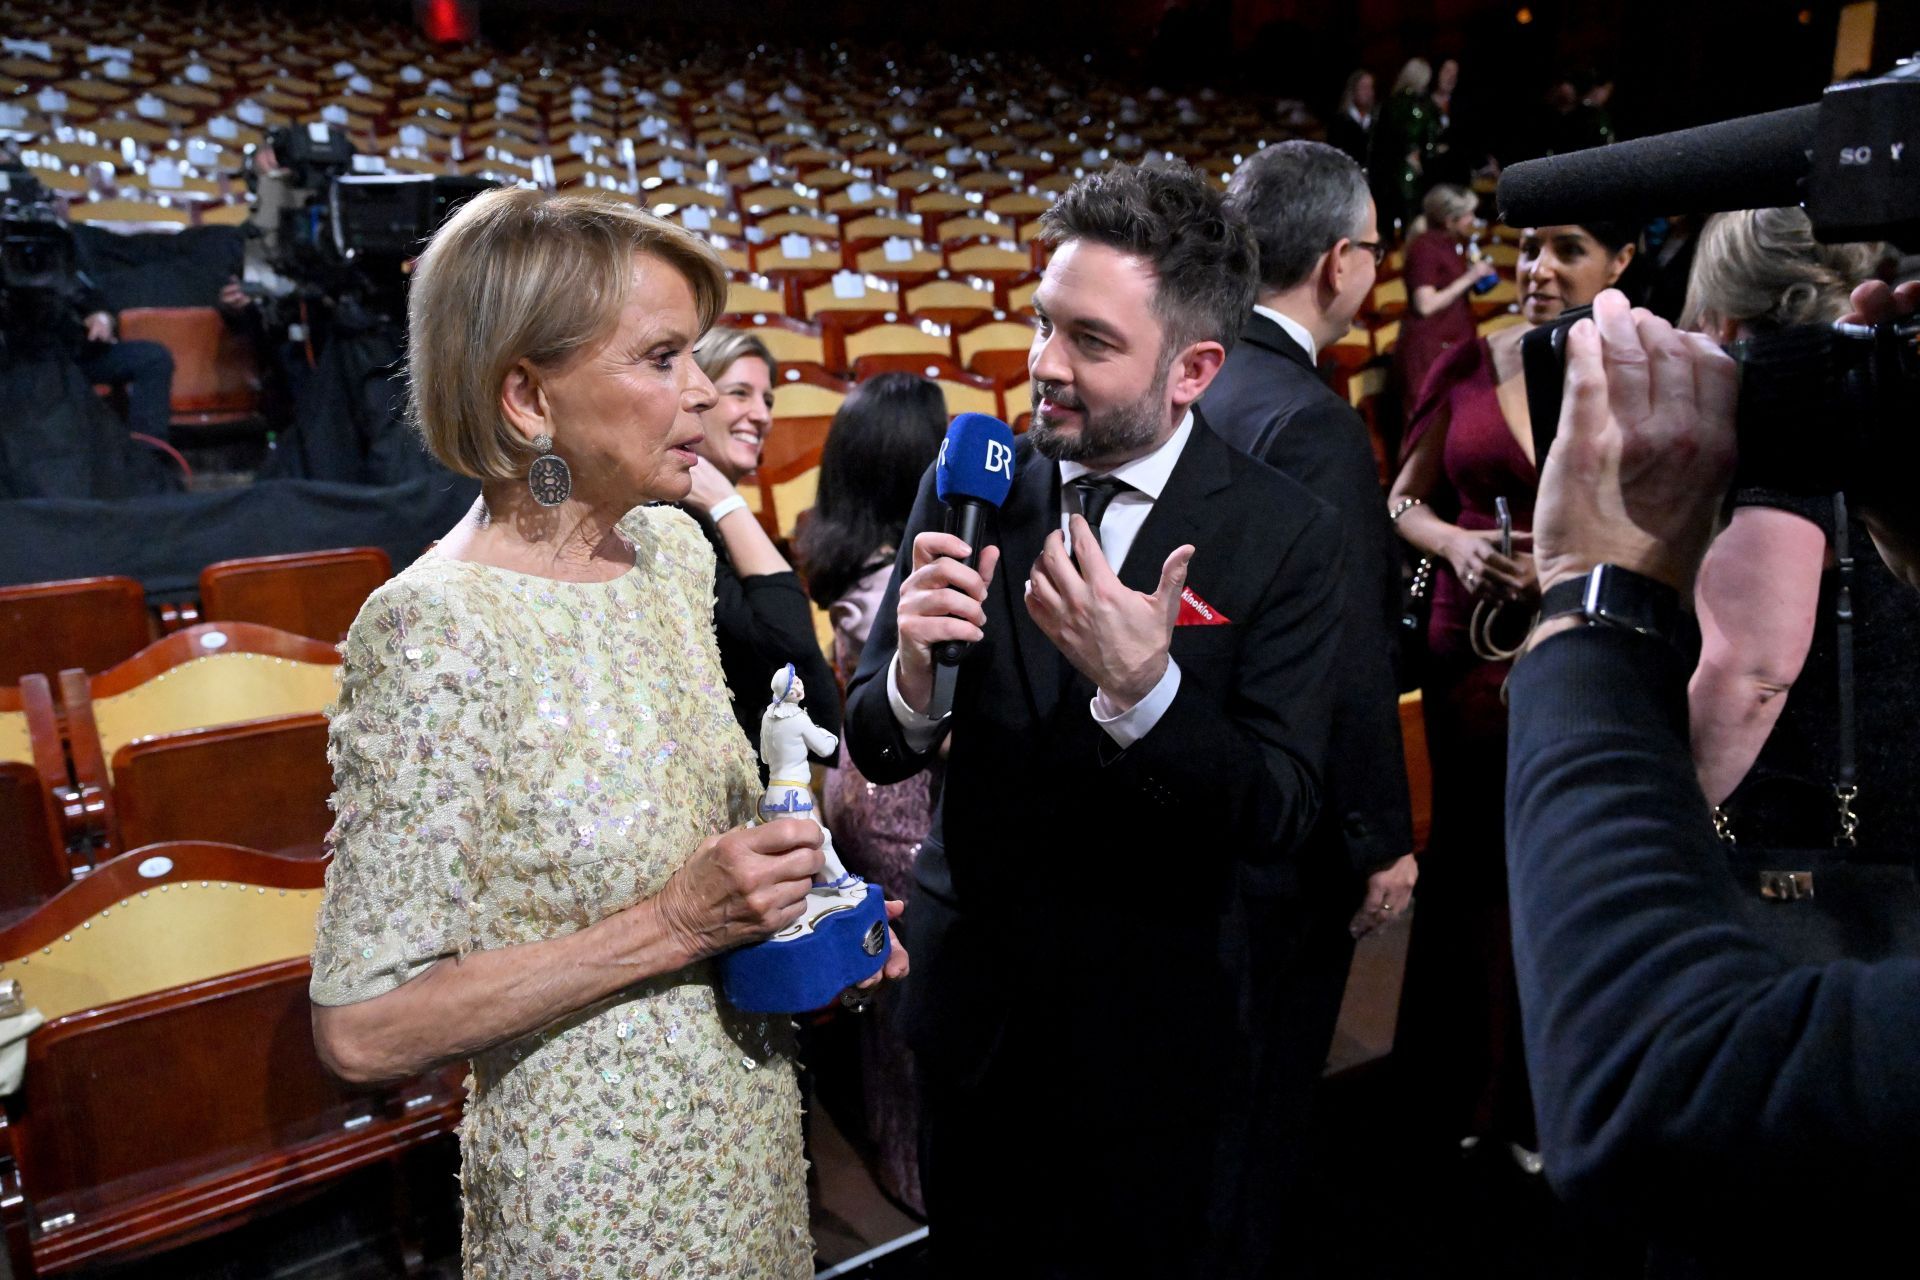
x: 216, y: 371
x: 174, y: 1091
x: 216, y: 673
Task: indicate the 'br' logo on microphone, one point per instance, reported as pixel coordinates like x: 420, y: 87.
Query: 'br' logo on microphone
x: 999, y: 457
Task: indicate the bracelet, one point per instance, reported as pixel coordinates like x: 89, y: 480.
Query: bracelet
x: 726, y: 507
x: 1402, y: 507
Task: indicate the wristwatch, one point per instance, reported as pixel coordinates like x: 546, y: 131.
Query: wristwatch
x: 1611, y: 596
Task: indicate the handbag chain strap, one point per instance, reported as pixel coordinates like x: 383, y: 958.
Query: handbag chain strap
x: 1846, y: 786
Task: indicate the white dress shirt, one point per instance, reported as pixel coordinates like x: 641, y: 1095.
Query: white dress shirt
x: 1118, y: 527
x: 1295, y: 330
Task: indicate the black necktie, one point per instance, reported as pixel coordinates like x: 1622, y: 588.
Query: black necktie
x: 1096, y: 494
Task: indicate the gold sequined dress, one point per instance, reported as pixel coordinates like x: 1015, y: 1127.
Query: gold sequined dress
x: 516, y: 758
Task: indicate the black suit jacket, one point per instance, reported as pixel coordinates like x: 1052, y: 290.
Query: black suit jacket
x: 1070, y: 889
x: 1270, y: 402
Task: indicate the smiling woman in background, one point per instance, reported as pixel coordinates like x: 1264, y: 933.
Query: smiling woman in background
x: 760, y: 611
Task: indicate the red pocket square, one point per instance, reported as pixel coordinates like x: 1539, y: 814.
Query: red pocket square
x: 1195, y: 612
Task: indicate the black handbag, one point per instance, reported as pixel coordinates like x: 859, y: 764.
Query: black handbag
x: 1814, y: 903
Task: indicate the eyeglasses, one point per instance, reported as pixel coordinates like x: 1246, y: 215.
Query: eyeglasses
x: 1374, y: 247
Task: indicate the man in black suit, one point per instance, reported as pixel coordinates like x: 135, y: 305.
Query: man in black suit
x: 1105, y: 901
x: 1314, y: 224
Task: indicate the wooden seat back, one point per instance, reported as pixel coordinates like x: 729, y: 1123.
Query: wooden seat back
x: 263, y: 784
x: 33, y: 859
x: 90, y: 623
x: 309, y: 593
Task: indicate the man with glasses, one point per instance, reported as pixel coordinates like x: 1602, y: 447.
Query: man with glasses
x: 1316, y: 230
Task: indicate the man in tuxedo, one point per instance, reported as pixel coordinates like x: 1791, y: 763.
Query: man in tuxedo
x: 1104, y: 906
x: 1317, y: 234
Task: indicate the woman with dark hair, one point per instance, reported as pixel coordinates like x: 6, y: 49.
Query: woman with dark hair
x: 880, y: 445
x: 1469, y: 454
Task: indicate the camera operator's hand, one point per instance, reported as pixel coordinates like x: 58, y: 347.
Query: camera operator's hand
x: 1644, y: 452
x: 99, y: 327
x: 233, y: 297
x: 1889, y: 513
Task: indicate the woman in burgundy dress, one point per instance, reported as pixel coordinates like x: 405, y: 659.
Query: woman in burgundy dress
x: 1439, y: 279
x: 1469, y: 444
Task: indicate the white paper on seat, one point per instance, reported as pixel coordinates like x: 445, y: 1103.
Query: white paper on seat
x: 251, y: 112
x: 148, y: 107
x: 198, y: 73
x: 163, y: 175
x: 898, y: 249
x: 795, y: 245
x: 223, y: 128
x: 849, y: 284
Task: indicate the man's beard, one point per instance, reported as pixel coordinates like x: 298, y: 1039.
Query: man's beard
x: 1118, y: 431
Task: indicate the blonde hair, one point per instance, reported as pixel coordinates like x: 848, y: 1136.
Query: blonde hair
x: 1415, y: 77
x: 718, y: 350
x: 1763, y: 268
x: 1446, y: 202
x: 525, y: 275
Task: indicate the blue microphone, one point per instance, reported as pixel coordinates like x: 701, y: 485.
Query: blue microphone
x: 972, y: 475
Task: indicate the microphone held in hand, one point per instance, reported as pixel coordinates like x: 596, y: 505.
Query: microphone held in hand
x: 972, y: 475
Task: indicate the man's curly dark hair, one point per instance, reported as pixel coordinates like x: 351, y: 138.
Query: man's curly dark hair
x: 1202, y: 252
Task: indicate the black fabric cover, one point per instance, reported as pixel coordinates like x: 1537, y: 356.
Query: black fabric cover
x: 165, y: 540
x: 181, y: 269
x: 59, y: 440
x: 350, y: 422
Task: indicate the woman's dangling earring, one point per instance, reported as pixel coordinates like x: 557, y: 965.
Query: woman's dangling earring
x: 550, y: 479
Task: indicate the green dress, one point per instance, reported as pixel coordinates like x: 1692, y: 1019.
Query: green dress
x: 1409, y: 125
x: 516, y: 758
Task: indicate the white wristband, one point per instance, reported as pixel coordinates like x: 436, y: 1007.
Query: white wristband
x: 726, y: 507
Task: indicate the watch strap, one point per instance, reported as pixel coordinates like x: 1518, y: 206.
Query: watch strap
x: 1612, y: 596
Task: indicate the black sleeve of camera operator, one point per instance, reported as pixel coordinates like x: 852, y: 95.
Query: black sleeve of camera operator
x: 1680, y: 1071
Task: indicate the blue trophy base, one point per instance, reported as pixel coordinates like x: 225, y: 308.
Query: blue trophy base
x: 803, y: 968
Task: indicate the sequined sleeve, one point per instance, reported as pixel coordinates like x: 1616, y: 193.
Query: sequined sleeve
x: 411, y: 761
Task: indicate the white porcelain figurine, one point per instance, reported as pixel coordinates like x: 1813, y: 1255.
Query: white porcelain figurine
x: 787, y: 735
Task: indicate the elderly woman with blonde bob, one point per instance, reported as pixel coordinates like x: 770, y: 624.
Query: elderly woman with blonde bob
x: 540, y: 789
